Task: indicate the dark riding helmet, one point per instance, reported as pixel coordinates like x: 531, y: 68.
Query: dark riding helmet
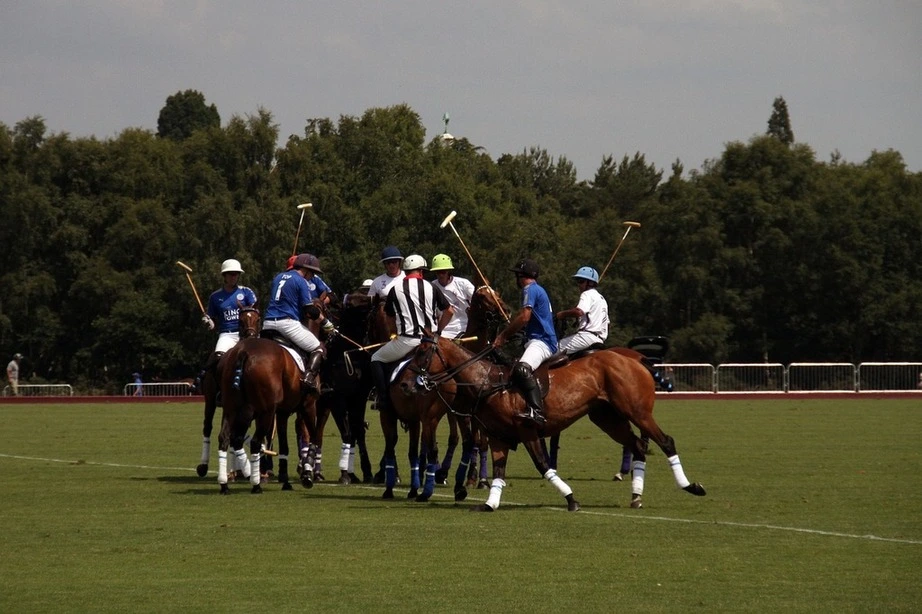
x: 312, y: 263
x: 302, y: 261
x: 391, y: 253
x: 526, y: 267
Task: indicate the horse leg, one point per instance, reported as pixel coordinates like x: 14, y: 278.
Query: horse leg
x: 650, y: 429
x: 389, y: 459
x: 499, y: 452
x: 555, y: 448
x: 538, y: 451
x: 625, y: 464
x: 413, y: 455
x: 223, y: 445
x: 281, y: 422
x: 255, y: 455
x: 430, y: 446
x: 483, y: 482
x: 207, y: 422
x: 441, y: 475
x: 467, y: 453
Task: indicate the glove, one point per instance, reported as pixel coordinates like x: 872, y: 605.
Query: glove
x: 208, y: 322
x: 327, y: 326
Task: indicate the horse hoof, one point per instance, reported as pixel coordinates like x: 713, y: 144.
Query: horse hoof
x: 441, y: 476
x: 483, y: 507
x: 307, y: 480
x: 345, y: 480
x: 388, y: 494
x: 695, y: 489
x: 202, y: 470
x: 618, y: 478
x: 422, y: 498
x: 354, y: 479
x: 318, y: 477
x: 636, y: 503
x: 287, y: 486
x: 483, y: 483
x: 573, y: 506
x: 413, y: 494
x: 460, y: 494
x: 224, y: 489
x: 257, y: 489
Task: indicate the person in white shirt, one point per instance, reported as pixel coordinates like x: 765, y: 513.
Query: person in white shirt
x: 591, y: 311
x: 391, y: 258
x: 457, y: 290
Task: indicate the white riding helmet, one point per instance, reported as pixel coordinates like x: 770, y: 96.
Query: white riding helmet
x: 413, y: 262
x: 367, y: 283
x: 231, y: 266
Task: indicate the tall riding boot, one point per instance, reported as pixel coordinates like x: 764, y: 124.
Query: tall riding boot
x: 310, y: 370
x: 379, y: 376
x: 528, y: 387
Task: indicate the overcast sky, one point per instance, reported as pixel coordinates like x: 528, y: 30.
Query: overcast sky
x: 581, y: 79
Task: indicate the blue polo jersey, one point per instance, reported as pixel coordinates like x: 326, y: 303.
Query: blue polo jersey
x: 224, y: 307
x: 289, y: 293
x: 541, y: 324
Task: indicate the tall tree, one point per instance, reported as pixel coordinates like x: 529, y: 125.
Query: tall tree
x: 184, y: 113
x: 779, y: 124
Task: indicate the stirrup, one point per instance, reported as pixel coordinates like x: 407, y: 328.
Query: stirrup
x: 534, y: 415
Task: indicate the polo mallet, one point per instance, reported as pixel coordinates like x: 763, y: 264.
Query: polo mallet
x: 615, y: 253
x: 447, y: 222
x: 188, y: 270
x: 302, y: 207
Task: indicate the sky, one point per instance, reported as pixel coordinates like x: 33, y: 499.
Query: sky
x: 582, y: 79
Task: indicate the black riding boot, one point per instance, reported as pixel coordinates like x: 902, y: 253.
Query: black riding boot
x: 524, y: 378
x: 210, y: 364
x: 379, y: 376
x: 311, y: 367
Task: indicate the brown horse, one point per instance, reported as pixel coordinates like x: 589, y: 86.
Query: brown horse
x: 261, y: 382
x: 248, y: 329
x: 423, y: 410
x: 614, y: 390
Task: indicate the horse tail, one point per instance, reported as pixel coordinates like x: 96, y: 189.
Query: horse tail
x: 239, y: 366
x: 658, y: 376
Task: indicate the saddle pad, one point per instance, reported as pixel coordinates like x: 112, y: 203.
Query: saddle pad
x: 399, y: 369
x: 296, y: 355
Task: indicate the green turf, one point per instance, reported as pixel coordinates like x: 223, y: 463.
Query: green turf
x: 812, y: 505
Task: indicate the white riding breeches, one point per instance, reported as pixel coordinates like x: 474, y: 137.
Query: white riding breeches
x: 578, y: 341
x: 226, y: 341
x: 536, y: 352
x: 395, y: 349
x: 295, y: 332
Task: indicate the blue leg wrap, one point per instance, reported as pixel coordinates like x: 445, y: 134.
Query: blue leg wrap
x: 429, y: 486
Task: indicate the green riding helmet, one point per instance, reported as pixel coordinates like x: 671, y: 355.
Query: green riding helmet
x: 441, y: 262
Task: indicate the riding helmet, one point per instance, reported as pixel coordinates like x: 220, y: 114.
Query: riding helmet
x: 588, y: 273
x: 312, y: 263
x: 526, y: 267
x: 413, y: 262
x: 441, y: 262
x: 390, y: 253
x: 231, y: 266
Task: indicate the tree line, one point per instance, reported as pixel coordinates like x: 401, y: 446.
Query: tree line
x: 765, y: 253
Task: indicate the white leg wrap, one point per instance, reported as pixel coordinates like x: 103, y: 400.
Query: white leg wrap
x: 678, y: 472
x: 496, y: 492
x: 638, y: 469
x: 206, y: 449
x: 344, y: 457
x: 318, y: 462
x: 552, y: 477
x: 240, y: 462
x: 351, y: 459
x: 254, y: 468
x: 222, y: 466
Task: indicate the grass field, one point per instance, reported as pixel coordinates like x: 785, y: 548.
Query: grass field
x: 812, y: 505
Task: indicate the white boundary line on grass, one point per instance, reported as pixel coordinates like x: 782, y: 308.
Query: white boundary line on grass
x: 632, y: 516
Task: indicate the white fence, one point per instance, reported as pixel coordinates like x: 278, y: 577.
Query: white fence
x: 158, y: 389
x: 41, y: 390
x: 796, y: 377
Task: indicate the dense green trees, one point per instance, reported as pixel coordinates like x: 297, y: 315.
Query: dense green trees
x: 762, y: 254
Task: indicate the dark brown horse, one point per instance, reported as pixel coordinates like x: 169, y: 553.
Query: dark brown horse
x: 261, y: 382
x: 211, y: 383
x: 423, y: 410
x: 614, y: 390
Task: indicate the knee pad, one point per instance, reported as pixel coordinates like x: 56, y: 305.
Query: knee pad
x: 521, y: 373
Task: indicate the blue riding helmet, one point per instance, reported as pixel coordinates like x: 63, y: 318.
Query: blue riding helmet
x: 391, y: 253
x: 588, y: 273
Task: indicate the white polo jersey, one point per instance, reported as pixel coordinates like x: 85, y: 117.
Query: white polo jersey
x: 459, y: 293
x: 379, y: 286
x: 595, y: 313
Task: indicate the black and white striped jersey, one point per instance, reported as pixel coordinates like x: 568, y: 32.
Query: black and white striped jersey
x: 414, y: 303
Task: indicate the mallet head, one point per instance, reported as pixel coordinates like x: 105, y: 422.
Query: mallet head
x: 305, y: 205
x: 183, y: 265
x: 448, y: 219
x: 632, y: 224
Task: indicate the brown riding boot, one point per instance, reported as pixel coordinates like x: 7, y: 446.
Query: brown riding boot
x: 310, y: 371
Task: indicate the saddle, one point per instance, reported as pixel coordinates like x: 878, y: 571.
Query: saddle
x: 288, y: 346
x: 560, y: 359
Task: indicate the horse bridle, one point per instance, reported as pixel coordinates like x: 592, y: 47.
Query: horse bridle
x: 425, y: 381
x: 249, y: 331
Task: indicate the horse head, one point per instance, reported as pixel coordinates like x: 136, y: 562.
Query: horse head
x: 486, y: 314
x: 249, y: 321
